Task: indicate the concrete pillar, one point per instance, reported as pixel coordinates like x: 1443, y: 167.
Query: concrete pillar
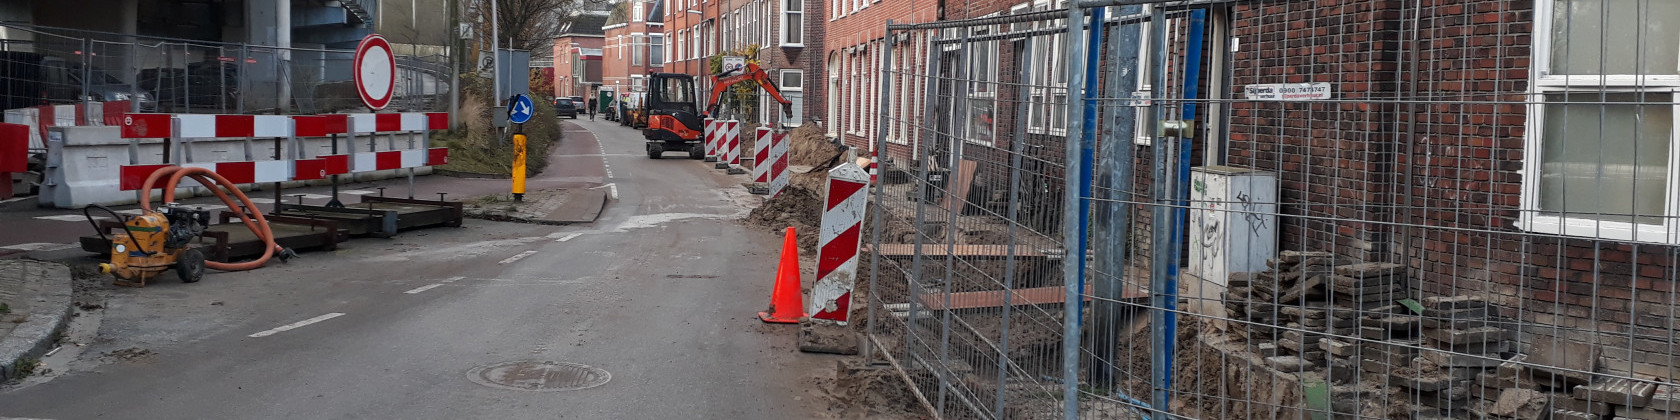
x: 269, y: 23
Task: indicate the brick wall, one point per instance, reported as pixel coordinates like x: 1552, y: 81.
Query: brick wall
x: 1419, y: 161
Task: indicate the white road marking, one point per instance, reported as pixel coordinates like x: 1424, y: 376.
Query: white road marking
x: 612, y: 190
x: 296, y: 325
x: 424, y: 288
x: 262, y: 201
x: 70, y: 218
x: 521, y: 256
x: 315, y: 196
x: 38, y: 246
x: 355, y: 192
x: 132, y: 212
x: 569, y: 237
x: 16, y: 199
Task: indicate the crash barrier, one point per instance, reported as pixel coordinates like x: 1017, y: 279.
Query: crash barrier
x: 98, y: 165
x: 14, y: 155
x: 39, y: 118
x: 710, y: 140
x: 779, y: 175
x: 732, y: 143
x: 837, y: 244
x: 761, y: 155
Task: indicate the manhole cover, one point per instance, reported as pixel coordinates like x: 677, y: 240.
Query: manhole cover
x: 532, y: 375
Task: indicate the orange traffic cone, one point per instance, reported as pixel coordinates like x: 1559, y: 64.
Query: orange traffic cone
x: 786, y: 304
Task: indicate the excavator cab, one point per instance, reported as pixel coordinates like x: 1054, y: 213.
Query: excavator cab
x: 673, y: 117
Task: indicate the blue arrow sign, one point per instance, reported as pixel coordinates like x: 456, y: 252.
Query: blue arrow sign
x: 519, y: 111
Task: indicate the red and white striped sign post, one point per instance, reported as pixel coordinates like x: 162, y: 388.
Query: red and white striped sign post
x: 710, y: 139
x: 837, y: 243
x: 761, y: 155
x: 733, y: 149
x: 779, y: 175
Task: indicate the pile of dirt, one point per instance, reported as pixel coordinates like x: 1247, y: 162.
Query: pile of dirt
x: 799, y: 208
x: 862, y: 392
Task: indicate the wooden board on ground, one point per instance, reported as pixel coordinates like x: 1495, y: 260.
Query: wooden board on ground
x: 958, y: 184
x: 960, y: 251
x: 1028, y: 296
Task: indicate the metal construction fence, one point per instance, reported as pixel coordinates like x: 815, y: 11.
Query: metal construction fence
x: 1280, y: 209
x: 46, y: 66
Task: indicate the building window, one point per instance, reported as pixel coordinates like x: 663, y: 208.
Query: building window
x: 793, y: 23
x: 1601, y: 124
x: 711, y: 41
x: 656, y: 49
x: 982, y: 97
x: 637, y: 45
x: 636, y: 12
x: 793, y: 89
x: 834, y: 95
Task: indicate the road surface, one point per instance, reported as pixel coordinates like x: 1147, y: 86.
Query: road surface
x: 660, y: 293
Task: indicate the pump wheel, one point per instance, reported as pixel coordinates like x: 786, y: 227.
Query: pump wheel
x: 190, y: 265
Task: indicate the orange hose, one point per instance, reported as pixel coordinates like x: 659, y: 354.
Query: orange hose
x: 204, y: 176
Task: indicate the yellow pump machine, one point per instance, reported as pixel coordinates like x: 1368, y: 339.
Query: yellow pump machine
x: 154, y: 242
x: 161, y: 239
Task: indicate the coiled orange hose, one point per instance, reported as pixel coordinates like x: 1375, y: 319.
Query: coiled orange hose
x: 259, y: 226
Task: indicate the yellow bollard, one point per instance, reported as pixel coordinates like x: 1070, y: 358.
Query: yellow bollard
x: 518, y: 167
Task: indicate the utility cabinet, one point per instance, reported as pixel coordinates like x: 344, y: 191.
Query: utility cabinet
x: 1233, y: 221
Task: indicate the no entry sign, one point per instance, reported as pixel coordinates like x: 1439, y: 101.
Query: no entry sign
x: 376, y: 70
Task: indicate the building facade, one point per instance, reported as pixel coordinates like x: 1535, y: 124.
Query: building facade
x: 577, y: 53
x: 627, y: 50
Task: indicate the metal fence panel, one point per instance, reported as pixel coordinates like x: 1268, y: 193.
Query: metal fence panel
x: 1297, y: 209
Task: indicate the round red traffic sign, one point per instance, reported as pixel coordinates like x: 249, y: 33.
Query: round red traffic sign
x: 375, y: 69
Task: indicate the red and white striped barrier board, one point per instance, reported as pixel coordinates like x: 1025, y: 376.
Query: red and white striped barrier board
x: 837, y: 243
x: 39, y: 118
x: 761, y: 155
x: 732, y: 145
x: 874, y: 166
x: 779, y: 175
x: 193, y: 126
x: 710, y: 134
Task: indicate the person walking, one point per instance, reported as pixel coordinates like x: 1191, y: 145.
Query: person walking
x: 592, y: 109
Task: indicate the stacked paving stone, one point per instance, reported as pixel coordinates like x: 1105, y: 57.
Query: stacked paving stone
x: 1315, y: 299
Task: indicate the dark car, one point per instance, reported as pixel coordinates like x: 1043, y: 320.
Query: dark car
x: 200, y: 84
x: 29, y: 79
x: 565, y: 108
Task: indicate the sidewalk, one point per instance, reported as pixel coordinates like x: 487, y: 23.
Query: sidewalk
x: 37, y: 299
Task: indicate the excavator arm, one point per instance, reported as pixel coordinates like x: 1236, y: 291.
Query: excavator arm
x: 752, y: 72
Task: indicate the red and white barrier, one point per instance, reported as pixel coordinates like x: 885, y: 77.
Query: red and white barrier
x: 838, y: 240
x: 39, y: 118
x: 732, y: 142
x: 761, y: 155
x: 874, y: 167
x: 779, y: 175
x: 710, y: 138
x: 294, y: 167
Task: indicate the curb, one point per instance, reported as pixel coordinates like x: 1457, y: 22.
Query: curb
x: 49, y: 313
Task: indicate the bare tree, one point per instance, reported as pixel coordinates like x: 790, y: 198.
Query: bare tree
x: 525, y: 24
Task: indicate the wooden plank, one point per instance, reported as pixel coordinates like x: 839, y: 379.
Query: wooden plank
x: 1029, y: 296
x: 958, y: 185
x: 961, y: 251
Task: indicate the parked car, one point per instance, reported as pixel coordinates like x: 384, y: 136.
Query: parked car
x: 565, y: 108
x: 30, y: 79
x: 200, y: 84
x: 582, y: 106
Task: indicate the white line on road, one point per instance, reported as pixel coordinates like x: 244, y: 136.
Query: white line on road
x: 38, y: 246
x: 16, y: 199
x: 255, y: 200
x: 296, y: 325
x: 355, y: 192
x: 315, y: 196
x: 569, y: 237
x: 70, y: 218
x: 424, y: 288
x: 612, y: 190
x: 521, y: 255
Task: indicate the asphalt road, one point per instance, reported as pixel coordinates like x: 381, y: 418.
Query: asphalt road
x: 661, y: 293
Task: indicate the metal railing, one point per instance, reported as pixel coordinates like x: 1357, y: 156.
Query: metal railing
x: 1278, y: 210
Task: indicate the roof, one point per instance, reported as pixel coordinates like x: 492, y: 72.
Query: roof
x: 656, y: 14
x: 620, y: 14
x: 582, y: 24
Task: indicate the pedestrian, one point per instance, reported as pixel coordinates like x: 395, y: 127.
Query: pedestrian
x: 592, y: 109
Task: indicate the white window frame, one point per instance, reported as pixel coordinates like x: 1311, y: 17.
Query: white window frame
x: 638, y: 55
x: 793, y: 20
x: 1531, y: 217
x: 794, y: 94
x: 834, y: 89
x: 1141, y: 133
x: 656, y: 40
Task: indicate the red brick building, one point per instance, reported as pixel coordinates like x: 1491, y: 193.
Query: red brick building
x: 689, y: 24
x: 633, y: 47
x: 577, y: 54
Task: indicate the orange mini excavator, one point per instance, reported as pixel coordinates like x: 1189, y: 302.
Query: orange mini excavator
x: 673, y: 122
